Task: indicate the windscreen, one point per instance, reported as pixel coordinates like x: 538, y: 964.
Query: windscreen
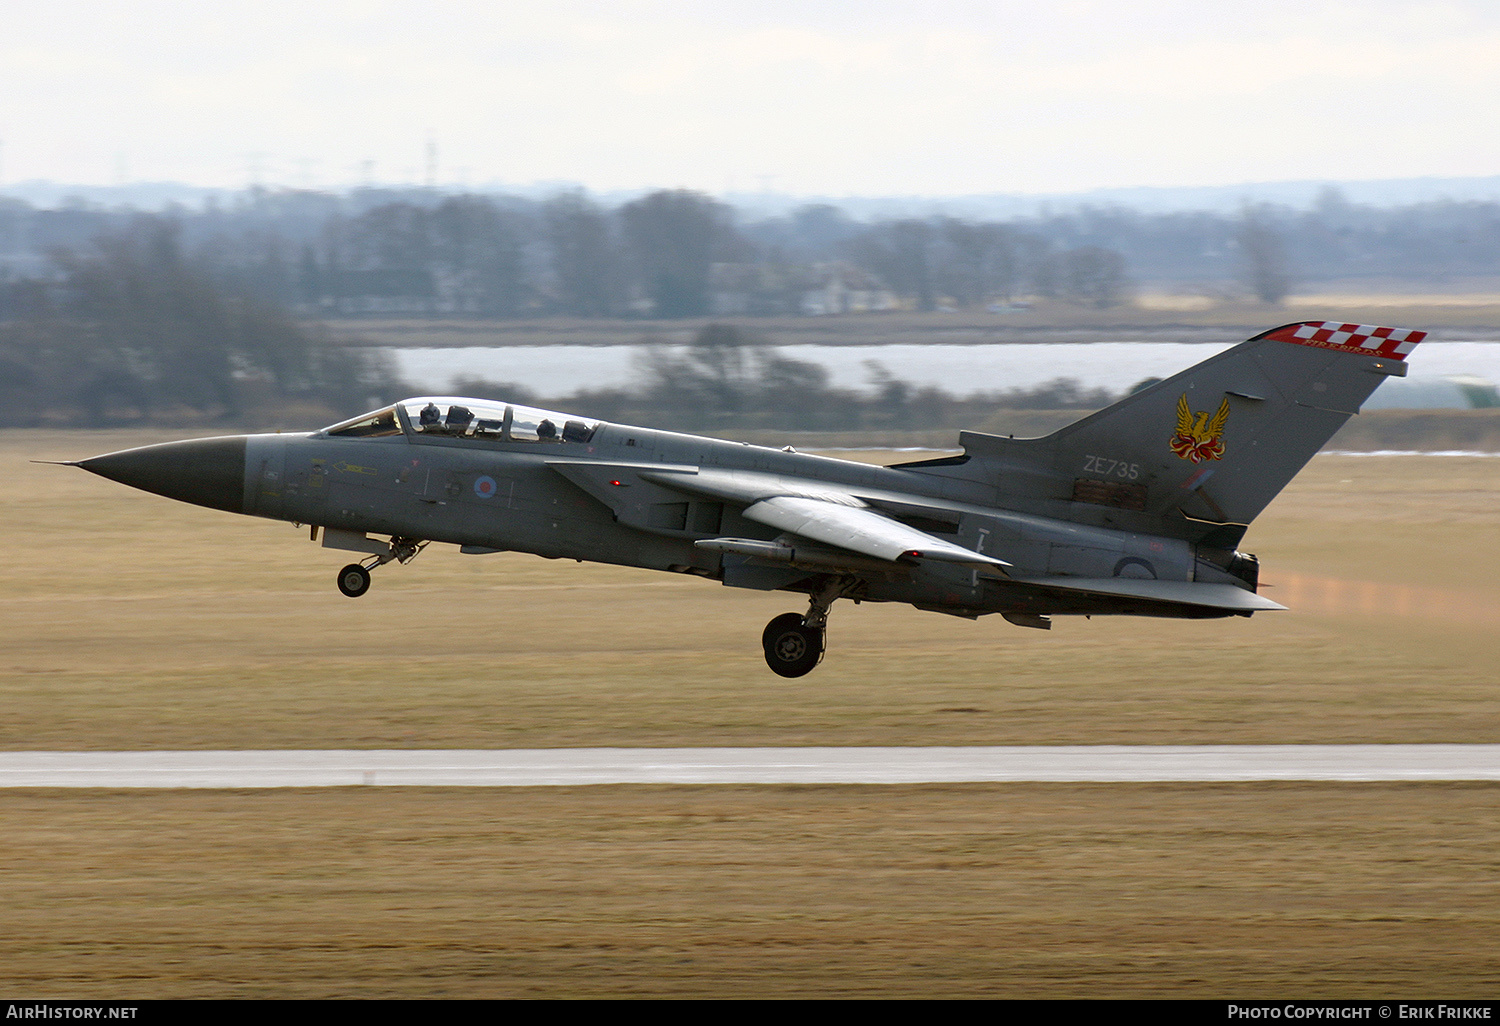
x: 368, y: 425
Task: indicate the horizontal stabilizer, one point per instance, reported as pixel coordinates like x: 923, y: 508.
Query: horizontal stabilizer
x: 1188, y: 593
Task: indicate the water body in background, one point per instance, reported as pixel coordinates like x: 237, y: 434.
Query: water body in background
x: 564, y: 369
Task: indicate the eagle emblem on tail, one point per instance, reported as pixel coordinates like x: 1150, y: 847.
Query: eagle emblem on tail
x: 1198, y: 438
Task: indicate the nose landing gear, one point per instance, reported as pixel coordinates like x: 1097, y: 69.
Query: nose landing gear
x: 354, y: 579
x: 793, y: 642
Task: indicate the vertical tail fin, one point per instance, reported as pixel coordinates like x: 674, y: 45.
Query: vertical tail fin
x: 1218, y: 441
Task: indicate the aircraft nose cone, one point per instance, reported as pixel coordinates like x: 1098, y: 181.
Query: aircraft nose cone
x: 204, y: 471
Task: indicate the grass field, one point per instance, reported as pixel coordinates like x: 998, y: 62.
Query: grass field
x: 134, y: 622
x: 1275, y: 891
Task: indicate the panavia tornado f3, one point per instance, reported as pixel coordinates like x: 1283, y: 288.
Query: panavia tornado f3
x: 1136, y: 510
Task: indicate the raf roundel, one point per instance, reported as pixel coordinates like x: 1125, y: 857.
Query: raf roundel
x: 484, y: 486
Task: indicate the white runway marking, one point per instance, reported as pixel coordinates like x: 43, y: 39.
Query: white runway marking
x: 554, y: 767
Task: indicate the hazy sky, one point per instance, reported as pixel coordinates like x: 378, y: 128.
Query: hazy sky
x: 831, y: 97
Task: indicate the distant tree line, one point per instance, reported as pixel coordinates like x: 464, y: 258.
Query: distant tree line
x: 128, y: 329
x: 212, y: 314
x: 134, y: 327
x: 677, y: 253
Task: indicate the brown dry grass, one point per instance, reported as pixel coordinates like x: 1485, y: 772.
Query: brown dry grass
x: 134, y: 622
x: 1271, y: 891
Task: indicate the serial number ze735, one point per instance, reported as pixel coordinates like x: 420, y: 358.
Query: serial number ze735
x: 1111, y: 468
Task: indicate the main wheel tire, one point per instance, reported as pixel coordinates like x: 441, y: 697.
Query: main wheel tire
x: 354, y: 580
x: 793, y: 649
x: 779, y: 624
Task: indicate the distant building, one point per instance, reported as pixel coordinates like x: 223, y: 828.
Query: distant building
x: 840, y: 288
x: 812, y: 290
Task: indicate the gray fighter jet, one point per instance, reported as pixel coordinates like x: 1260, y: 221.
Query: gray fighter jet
x: 1136, y: 510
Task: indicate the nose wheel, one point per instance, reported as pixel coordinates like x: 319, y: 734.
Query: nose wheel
x: 354, y: 580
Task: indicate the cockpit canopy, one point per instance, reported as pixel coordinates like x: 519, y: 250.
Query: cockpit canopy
x: 452, y: 417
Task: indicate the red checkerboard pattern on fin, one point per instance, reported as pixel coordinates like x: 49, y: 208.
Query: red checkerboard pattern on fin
x: 1369, y: 339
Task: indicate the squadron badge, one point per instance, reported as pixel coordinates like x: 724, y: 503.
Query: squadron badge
x: 1197, y: 437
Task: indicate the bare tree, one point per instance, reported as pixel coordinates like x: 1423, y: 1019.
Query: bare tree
x: 727, y: 374
x: 674, y: 236
x: 1265, y: 266
x: 901, y: 253
x: 977, y: 261
x: 1092, y: 274
x: 585, y: 259
x: 139, y: 329
x: 476, y: 256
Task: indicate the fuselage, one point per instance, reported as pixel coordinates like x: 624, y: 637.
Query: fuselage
x: 518, y: 490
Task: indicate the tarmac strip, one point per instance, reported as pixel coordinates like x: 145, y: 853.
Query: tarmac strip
x: 572, y: 767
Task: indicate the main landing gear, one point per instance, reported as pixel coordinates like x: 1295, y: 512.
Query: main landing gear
x: 354, y: 579
x: 793, y: 642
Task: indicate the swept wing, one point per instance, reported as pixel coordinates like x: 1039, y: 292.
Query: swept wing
x: 814, y: 510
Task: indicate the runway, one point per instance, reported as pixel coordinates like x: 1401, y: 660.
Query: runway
x: 571, y: 767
